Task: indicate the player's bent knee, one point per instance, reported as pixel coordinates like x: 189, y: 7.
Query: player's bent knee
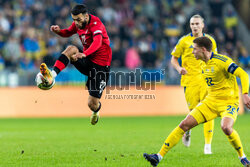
x: 227, y: 129
x: 184, y: 125
x: 93, y: 104
x: 70, y: 50
x: 188, y: 123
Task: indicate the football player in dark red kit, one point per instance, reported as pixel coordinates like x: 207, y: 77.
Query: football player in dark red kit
x: 94, y: 61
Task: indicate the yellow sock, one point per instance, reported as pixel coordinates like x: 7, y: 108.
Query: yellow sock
x: 171, y: 140
x: 208, y: 131
x: 234, y: 139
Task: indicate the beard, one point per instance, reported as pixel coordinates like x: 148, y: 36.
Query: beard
x: 83, y: 25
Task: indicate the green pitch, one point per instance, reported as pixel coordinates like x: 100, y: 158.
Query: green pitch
x: 113, y: 142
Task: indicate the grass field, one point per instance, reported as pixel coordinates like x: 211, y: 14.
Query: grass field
x: 113, y: 142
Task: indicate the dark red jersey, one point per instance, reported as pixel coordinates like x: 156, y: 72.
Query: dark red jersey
x: 100, y: 51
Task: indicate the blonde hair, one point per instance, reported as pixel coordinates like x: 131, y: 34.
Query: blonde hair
x: 198, y: 16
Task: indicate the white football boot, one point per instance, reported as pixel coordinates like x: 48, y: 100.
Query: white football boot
x: 186, y: 138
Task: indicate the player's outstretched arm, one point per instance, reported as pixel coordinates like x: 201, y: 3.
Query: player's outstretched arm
x: 55, y: 28
x: 175, y: 63
x: 64, y: 32
x: 239, y: 72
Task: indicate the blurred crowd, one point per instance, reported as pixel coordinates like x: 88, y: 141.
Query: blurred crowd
x: 142, y: 32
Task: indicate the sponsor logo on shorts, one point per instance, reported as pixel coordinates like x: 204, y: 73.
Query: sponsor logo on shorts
x: 102, y: 86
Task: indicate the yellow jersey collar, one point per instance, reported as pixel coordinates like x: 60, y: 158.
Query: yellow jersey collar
x: 212, y: 55
x: 191, y: 34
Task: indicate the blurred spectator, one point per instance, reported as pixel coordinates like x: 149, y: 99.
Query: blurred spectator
x: 132, y: 59
x: 219, y: 38
x: 30, y: 44
x: 117, y: 53
x: 4, y: 23
x: 11, y: 52
x: 107, y: 12
x: 172, y: 30
x: 1, y: 63
x: 2, y: 42
x: 26, y: 64
x: 215, y: 23
x: 230, y: 36
x: 244, y: 59
x: 230, y: 19
x: 149, y: 10
x: 216, y: 7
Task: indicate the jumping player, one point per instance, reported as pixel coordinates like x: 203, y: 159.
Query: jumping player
x: 93, y: 62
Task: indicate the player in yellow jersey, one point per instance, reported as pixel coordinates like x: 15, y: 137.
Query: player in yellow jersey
x: 191, y: 80
x: 222, y: 100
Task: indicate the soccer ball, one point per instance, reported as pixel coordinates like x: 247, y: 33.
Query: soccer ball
x: 43, y: 83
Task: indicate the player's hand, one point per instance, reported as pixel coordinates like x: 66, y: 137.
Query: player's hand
x: 246, y: 100
x: 73, y: 58
x: 77, y: 56
x: 182, y: 71
x: 55, y: 28
x: 80, y: 55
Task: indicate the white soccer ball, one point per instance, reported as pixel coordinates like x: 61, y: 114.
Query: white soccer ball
x: 42, y: 83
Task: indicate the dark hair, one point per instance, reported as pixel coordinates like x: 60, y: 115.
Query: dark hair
x: 204, y: 42
x: 79, y: 8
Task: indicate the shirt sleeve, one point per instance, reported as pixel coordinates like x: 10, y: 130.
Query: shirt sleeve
x: 95, y: 45
x: 226, y: 63
x: 96, y: 28
x: 69, y: 31
x: 214, y: 46
x: 230, y: 66
x: 178, y: 50
x: 239, y: 72
x: 233, y: 68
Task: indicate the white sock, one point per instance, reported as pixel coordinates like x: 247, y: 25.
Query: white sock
x: 208, y: 145
x: 188, y: 132
x: 159, y: 157
x: 244, y: 156
x: 54, y: 74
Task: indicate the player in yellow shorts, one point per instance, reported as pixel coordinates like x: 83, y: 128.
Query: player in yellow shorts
x: 191, y: 79
x: 222, y: 100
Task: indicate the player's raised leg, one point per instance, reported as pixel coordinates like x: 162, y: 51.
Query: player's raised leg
x: 65, y: 57
x: 174, y: 137
x: 234, y: 139
x: 208, y: 134
x: 95, y: 105
x: 59, y: 65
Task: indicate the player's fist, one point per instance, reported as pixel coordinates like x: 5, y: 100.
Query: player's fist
x: 246, y: 100
x: 182, y: 71
x: 55, y: 28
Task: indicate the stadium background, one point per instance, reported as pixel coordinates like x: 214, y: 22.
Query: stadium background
x: 142, y: 33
